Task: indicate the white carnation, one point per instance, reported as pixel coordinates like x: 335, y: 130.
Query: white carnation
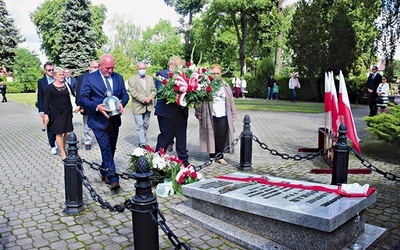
x: 138, y: 152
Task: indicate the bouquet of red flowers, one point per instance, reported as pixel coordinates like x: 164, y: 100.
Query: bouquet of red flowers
x: 189, y: 86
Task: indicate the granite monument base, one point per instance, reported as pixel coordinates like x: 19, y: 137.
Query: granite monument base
x: 278, y: 216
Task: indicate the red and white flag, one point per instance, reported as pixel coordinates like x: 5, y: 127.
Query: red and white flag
x: 331, y: 102
x: 334, y: 106
x: 346, y: 115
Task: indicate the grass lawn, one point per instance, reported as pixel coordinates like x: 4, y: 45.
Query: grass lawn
x: 241, y: 104
x: 387, y: 152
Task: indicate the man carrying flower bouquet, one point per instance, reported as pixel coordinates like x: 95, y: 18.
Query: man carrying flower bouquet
x: 172, y: 117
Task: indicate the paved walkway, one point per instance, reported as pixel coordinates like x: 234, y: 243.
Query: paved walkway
x: 32, y: 182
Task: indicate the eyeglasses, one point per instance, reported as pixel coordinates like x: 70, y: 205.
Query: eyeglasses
x: 94, y: 67
x: 49, y: 70
x: 384, y: 79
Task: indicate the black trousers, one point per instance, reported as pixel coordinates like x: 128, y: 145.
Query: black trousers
x: 373, y: 109
x: 221, y: 130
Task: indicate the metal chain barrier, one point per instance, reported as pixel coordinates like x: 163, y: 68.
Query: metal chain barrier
x: 219, y: 155
x: 96, y: 197
x: 99, y: 168
x: 163, y: 225
x: 368, y: 165
x: 296, y: 157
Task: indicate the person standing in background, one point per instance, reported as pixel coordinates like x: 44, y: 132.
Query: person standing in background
x: 70, y: 79
x: 143, y: 92
x: 41, y: 86
x: 243, y: 86
x: 275, y: 92
x: 87, y: 132
x: 374, y: 79
x: 105, y: 127
x: 3, y: 89
x: 216, y: 119
x: 383, y: 92
x: 294, y: 84
x: 236, y: 86
x: 270, y: 85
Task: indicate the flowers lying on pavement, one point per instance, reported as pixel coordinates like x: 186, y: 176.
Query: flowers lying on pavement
x: 165, y: 167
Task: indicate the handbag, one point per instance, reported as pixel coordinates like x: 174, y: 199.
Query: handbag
x: 379, y: 100
x: 71, y: 97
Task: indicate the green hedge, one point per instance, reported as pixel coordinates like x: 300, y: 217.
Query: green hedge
x: 19, y: 87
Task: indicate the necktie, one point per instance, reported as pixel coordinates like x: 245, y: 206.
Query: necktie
x: 108, y: 84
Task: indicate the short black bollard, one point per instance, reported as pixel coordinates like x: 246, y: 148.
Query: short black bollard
x: 73, y: 179
x: 145, y: 230
x: 246, y: 145
x: 340, y: 158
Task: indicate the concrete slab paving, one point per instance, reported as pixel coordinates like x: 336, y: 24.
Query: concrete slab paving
x: 33, y: 193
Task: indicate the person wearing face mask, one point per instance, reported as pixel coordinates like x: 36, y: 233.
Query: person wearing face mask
x: 87, y: 132
x: 143, y: 92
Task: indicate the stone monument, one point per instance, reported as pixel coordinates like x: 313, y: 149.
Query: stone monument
x: 286, y: 214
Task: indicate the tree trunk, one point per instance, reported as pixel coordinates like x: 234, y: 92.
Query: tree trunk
x: 278, y: 52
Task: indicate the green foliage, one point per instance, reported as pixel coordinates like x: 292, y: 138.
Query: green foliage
x: 340, y: 37
x: 389, y: 28
x: 9, y: 37
x: 159, y: 44
x: 27, y: 70
x: 122, y: 63
x: 386, y: 126
x: 77, y: 39
x: 53, y: 18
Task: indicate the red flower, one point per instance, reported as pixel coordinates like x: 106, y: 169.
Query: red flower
x: 203, y: 70
x: 188, y: 64
x: 149, y: 149
x: 208, y: 88
x: 170, y: 75
x: 164, y: 82
x: 176, y: 89
x: 210, y: 78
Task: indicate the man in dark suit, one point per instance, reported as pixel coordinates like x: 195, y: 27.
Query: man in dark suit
x: 373, y: 82
x: 69, y: 79
x: 105, y: 127
x: 172, y: 119
x: 42, y: 84
x: 87, y: 137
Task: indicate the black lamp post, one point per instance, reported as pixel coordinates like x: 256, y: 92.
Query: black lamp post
x: 255, y: 57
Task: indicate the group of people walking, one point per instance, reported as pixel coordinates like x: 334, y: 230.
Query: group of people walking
x: 56, y: 92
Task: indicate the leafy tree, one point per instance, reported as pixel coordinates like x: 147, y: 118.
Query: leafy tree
x: 9, y: 37
x: 390, y: 33
x: 122, y: 63
x: 27, y: 68
x: 159, y: 44
x: 126, y: 36
x: 48, y: 17
x: 260, y: 15
x: 77, y: 41
x: 187, y: 8
x: 335, y: 36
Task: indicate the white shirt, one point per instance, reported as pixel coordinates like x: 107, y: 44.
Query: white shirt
x: 219, y: 109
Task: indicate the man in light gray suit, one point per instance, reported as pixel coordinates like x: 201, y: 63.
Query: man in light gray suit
x: 143, y: 92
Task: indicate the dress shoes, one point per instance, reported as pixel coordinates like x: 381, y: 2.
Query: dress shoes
x: 115, y: 186
x: 105, y: 179
x: 222, y: 162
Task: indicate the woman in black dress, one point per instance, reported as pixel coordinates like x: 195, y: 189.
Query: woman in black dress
x: 58, y: 110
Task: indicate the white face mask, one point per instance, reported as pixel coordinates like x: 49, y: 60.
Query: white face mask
x: 94, y: 70
x: 142, y: 72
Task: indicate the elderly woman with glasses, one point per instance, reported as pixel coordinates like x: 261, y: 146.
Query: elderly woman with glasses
x: 58, y: 110
x: 383, y: 91
x: 216, y: 119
